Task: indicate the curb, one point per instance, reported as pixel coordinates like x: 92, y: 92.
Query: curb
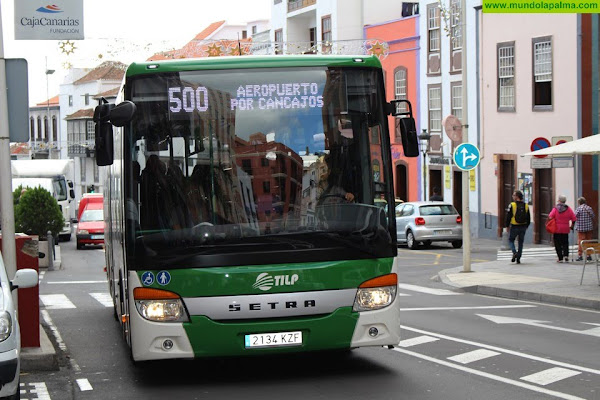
x: 41, y: 358
x: 533, y: 296
x: 519, y: 294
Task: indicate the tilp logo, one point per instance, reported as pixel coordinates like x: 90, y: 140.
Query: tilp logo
x: 265, y: 281
x: 50, y: 9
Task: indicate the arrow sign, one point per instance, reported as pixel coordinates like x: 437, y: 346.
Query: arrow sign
x: 466, y: 156
x: 540, y: 324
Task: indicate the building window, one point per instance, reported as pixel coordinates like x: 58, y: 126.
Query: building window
x: 276, y: 1
x: 326, y: 36
x: 39, y: 128
x: 32, y: 129
x: 433, y: 25
x: 247, y: 166
x: 266, y: 187
x: 46, y: 129
x: 70, y: 100
x: 400, y: 88
x: 434, y: 64
x: 455, y: 25
x: 542, y: 73
x: 264, y: 162
x: 456, y: 101
x: 279, y: 41
x: 254, y: 29
x: 506, y: 76
x: 91, y: 130
x: 54, y: 129
x: 244, y: 34
x: 435, y: 108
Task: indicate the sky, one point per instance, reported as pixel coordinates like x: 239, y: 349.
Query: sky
x: 122, y: 30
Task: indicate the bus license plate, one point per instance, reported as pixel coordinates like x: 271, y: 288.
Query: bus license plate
x: 273, y: 339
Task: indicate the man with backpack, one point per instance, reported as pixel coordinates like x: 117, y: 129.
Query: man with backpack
x: 517, y: 221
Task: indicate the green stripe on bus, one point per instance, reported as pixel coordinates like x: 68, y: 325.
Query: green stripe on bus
x: 244, y: 62
x: 272, y: 278
x: 210, y: 338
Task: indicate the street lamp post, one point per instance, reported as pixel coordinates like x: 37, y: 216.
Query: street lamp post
x: 48, y: 121
x: 424, y: 145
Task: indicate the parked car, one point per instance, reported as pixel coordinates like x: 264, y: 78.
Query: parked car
x: 90, y: 228
x: 428, y: 221
x: 10, y: 335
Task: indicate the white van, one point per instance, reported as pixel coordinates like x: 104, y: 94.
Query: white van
x: 56, y: 177
x: 10, y: 336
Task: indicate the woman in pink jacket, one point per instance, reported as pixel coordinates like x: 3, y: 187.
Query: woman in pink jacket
x: 565, y: 217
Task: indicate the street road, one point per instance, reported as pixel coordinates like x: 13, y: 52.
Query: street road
x: 455, y: 346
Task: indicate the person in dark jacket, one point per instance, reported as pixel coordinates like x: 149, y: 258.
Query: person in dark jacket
x: 436, y: 196
x: 517, y: 228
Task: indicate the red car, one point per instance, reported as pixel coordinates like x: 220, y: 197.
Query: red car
x: 90, y: 229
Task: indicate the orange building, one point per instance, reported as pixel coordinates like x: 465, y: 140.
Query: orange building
x: 401, y: 69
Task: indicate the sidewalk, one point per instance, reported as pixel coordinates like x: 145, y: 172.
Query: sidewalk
x: 538, y: 278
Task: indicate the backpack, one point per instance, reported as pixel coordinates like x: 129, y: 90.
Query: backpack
x: 520, y: 210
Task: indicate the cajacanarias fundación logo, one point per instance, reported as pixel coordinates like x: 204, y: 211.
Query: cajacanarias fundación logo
x: 265, y: 281
x: 51, y: 19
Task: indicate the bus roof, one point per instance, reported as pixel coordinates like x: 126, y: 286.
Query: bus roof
x: 233, y: 62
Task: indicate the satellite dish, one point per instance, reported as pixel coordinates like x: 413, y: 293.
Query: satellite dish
x: 453, y: 128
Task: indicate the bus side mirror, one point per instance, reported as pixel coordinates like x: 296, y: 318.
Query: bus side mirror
x: 104, y: 134
x: 122, y: 113
x: 406, y: 127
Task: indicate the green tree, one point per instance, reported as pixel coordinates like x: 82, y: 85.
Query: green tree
x: 37, y: 212
x: 17, y: 195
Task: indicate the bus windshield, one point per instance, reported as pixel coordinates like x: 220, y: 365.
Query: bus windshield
x: 223, y: 167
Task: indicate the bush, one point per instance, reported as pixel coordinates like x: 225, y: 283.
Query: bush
x: 37, y: 212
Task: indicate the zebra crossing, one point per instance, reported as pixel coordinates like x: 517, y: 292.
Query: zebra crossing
x: 542, y: 375
x: 535, y: 252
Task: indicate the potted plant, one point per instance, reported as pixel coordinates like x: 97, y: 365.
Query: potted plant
x: 37, y: 212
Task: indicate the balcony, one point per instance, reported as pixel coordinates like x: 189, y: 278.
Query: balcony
x: 294, y: 5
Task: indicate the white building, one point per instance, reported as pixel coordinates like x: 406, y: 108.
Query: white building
x: 44, y: 129
x: 441, y: 89
x: 78, y: 98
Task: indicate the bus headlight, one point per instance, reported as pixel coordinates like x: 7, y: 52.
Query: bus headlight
x: 161, y: 310
x: 376, y: 293
x: 5, y: 326
x: 159, y: 305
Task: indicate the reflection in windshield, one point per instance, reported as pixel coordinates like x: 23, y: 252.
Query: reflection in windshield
x: 92, y: 215
x: 256, y: 160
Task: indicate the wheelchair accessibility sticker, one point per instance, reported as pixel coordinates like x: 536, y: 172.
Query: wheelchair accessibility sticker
x: 147, y: 278
x: 163, y: 278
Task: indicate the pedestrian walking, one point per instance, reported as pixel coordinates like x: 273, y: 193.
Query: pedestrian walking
x: 517, y: 221
x: 565, y: 219
x: 584, y: 225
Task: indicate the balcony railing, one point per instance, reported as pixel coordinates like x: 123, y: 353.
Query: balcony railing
x: 294, y: 5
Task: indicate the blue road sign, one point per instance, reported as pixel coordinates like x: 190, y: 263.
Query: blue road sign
x: 466, y: 156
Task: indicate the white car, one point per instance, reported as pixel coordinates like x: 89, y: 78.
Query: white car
x: 10, y: 336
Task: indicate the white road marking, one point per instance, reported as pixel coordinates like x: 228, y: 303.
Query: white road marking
x: 403, y: 295
x: 56, y: 301
x: 540, y: 324
x: 40, y: 390
x: 472, y: 356
x: 465, y: 308
x: 549, y: 376
x: 84, y: 385
x: 422, y: 289
x: 505, y: 351
x: 417, y: 341
x: 72, y: 282
x: 103, y: 298
x: 489, y: 376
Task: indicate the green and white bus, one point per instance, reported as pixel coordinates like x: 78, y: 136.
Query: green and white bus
x: 240, y: 205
